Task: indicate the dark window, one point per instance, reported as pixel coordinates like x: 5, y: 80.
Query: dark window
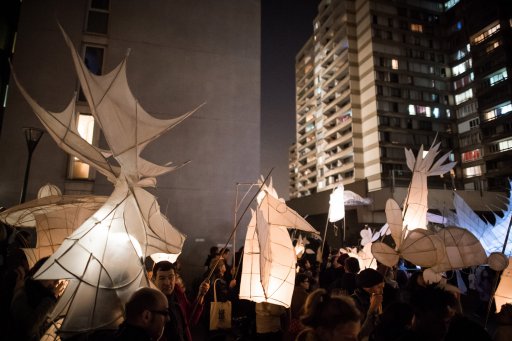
x: 93, y: 59
x: 97, y: 18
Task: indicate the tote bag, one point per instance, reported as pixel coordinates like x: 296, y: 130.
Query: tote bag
x: 220, y: 312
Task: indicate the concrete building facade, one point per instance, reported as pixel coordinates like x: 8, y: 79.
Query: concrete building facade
x: 182, y: 54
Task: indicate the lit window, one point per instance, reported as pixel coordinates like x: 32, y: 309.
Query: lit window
x: 504, y: 145
x: 462, y: 67
x: 492, y: 46
x: 464, y: 96
x: 450, y: 3
x: 502, y: 109
x: 484, y: 35
x: 435, y: 112
x: 412, y: 111
x: 460, y: 83
x: 471, y: 155
x: 498, y: 76
x: 416, y: 27
x: 85, y: 127
x: 473, y: 171
x: 394, y: 64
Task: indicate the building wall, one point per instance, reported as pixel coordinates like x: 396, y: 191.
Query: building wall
x: 182, y: 55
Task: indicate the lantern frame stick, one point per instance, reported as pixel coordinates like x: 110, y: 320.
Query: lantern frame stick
x: 210, y: 273
x: 237, y: 207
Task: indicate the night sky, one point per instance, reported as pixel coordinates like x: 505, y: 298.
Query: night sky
x: 285, y: 27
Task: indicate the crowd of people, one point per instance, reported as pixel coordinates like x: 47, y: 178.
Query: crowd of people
x: 332, y: 300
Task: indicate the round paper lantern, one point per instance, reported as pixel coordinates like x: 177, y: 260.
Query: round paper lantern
x: 48, y: 190
x: 497, y: 261
x: 462, y: 248
x: 423, y: 248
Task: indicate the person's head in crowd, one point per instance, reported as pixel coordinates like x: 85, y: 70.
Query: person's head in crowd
x: 148, y: 309
x: 214, y: 250
x: 506, y: 311
x: 302, y: 280
x: 332, y: 318
x: 49, y: 284
x: 225, y: 253
x: 341, y: 260
x: 371, y: 281
x: 164, y: 276
x: 434, y: 309
x: 304, y: 264
x: 352, y: 265
x: 220, y: 267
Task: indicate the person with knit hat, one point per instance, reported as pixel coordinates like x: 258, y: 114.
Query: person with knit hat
x: 368, y: 297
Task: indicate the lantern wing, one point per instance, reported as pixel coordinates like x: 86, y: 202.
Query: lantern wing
x: 394, y: 219
x: 277, y: 213
x: 423, y: 248
x: 462, y: 248
x: 127, y: 127
x: 277, y: 261
x: 250, y: 285
x: 63, y: 130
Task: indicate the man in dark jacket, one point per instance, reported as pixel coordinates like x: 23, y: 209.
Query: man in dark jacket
x: 146, y: 315
x: 368, y: 298
x: 182, y: 312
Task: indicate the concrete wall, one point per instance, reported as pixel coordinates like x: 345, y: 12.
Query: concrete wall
x: 182, y: 54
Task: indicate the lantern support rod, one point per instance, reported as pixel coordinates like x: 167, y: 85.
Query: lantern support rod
x: 237, y: 207
x: 32, y: 137
x: 212, y: 268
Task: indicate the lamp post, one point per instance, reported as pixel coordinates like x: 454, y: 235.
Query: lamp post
x: 32, y: 137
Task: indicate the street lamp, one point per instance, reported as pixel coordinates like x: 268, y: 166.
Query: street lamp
x: 32, y: 137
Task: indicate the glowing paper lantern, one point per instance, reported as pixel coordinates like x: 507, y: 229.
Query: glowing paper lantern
x: 337, y: 204
x: 103, y: 258
x: 462, y: 249
x: 54, y: 218
x: 268, y: 270
x: 422, y: 166
x: 497, y: 261
x: 423, y: 248
x: 169, y: 257
x: 503, y: 294
x: 492, y: 236
x: 48, y: 190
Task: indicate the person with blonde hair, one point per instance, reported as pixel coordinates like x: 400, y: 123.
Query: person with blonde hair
x: 329, y: 318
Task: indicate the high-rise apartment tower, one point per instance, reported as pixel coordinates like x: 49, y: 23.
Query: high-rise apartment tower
x: 378, y: 76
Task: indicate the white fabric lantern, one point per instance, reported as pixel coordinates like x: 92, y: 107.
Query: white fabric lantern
x: 337, y: 204
x: 103, y: 259
x: 268, y: 270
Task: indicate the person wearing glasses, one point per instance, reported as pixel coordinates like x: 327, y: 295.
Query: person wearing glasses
x: 146, y: 314
x: 182, y: 312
